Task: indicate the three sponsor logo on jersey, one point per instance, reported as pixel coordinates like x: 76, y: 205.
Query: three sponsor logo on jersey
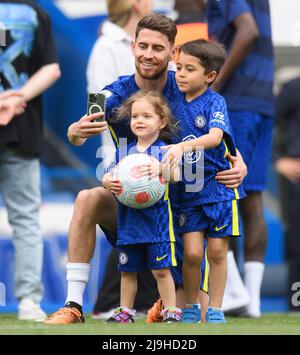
x: 218, y: 117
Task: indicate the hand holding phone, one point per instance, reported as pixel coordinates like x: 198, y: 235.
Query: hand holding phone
x: 96, y: 104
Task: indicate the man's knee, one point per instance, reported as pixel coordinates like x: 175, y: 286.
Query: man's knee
x: 90, y: 201
x: 86, y: 198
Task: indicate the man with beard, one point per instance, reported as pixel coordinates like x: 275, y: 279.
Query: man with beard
x: 152, y: 50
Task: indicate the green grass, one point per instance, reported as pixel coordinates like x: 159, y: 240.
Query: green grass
x: 275, y: 324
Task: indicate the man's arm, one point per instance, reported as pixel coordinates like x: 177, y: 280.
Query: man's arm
x: 86, y: 127
x: 35, y: 86
x: 233, y: 177
x: 11, y: 105
x: 40, y: 81
x: 244, y: 38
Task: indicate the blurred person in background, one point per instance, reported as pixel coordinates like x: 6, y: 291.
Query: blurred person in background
x: 111, y: 57
x: 287, y: 164
x: 28, y: 67
x: 246, y: 82
x: 11, y: 104
x: 190, y: 22
x: 190, y: 11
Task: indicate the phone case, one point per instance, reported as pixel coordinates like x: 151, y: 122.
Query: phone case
x: 96, y: 103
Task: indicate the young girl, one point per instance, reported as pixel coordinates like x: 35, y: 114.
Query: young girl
x: 146, y: 237
x: 212, y: 211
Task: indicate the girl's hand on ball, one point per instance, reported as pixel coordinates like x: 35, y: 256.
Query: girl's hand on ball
x: 151, y: 170
x: 111, y: 184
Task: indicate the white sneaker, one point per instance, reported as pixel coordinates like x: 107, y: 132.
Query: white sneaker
x: 28, y: 310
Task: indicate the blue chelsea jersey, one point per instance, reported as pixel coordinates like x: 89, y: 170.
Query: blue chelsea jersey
x: 149, y: 225
x: 121, y: 90
x: 196, y: 119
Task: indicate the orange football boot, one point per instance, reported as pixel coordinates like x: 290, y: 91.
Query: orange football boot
x: 65, y: 315
x: 154, y: 314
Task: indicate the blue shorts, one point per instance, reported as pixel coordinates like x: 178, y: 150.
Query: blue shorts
x: 111, y: 237
x: 253, y: 136
x: 177, y: 271
x: 219, y: 219
x: 154, y: 256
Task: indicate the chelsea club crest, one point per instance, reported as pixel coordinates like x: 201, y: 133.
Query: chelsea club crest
x: 123, y: 258
x: 200, y: 121
x: 191, y: 157
x: 182, y: 220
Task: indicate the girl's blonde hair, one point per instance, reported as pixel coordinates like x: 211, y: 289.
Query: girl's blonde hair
x: 119, y: 11
x: 161, y: 107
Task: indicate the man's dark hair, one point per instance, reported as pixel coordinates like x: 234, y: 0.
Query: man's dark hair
x: 159, y: 23
x: 210, y: 53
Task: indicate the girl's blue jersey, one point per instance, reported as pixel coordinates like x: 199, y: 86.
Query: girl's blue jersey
x: 149, y: 225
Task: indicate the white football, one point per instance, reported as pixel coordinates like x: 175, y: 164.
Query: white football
x: 138, y: 192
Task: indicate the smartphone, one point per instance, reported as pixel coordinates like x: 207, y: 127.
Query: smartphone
x: 96, y: 103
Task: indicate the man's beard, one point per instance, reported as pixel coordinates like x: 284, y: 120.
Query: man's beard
x: 156, y: 76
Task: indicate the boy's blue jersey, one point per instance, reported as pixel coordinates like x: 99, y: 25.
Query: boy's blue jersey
x: 121, y: 90
x: 149, y: 225
x: 250, y: 88
x: 196, y: 119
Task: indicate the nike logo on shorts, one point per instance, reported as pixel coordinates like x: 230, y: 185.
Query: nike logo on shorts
x: 161, y: 258
x: 217, y: 229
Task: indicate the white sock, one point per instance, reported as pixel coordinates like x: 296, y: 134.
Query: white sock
x: 77, y: 277
x: 234, y: 284
x: 254, y: 272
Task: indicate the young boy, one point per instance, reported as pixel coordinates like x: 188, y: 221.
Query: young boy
x: 211, y: 212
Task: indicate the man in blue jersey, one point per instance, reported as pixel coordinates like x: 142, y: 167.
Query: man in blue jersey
x: 246, y: 82
x: 152, y: 49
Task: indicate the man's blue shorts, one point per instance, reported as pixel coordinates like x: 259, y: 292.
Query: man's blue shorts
x: 253, y: 136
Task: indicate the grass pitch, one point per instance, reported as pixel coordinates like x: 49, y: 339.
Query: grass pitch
x: 269, y: 324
